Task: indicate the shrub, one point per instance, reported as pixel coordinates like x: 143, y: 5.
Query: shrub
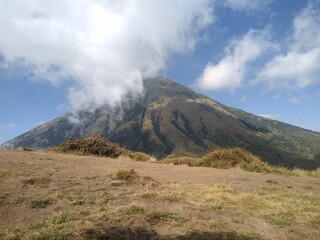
x: 27, y: 149
x: 98, y: 146
x: 139, y: 156
x: 233, y: 157
x: 255, y: 166
x: 95, y: 145
x: 130, y: 176
x: 126, y: 175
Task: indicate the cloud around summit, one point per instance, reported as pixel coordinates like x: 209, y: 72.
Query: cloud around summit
x: 103, y: 49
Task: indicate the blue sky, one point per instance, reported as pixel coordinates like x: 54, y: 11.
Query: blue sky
x: 260, y: 56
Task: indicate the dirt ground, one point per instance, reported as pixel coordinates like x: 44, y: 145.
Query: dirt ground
x: 168, y: 202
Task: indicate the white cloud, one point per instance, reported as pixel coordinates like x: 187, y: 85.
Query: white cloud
x: 231, y: 70
x: 7, y: 126
x: 106, y: 47
x: 247, y: 5
x: 299, y: 66
x: 270, y: 116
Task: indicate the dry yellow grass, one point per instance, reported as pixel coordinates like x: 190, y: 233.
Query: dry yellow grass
x: 75, y: 198
x: 224, y: 158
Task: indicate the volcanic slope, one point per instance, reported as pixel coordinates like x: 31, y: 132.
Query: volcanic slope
x: 172, y: 120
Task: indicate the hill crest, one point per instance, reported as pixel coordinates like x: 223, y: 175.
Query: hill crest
x: 172, y: 120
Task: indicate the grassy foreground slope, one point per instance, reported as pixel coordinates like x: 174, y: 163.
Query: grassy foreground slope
x: 64, y: 196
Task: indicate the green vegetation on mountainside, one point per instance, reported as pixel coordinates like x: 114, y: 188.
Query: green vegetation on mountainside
x: 172, y: 120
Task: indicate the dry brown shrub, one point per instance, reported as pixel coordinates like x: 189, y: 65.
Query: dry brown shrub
x: 94, y: 145
x: 233, y: 157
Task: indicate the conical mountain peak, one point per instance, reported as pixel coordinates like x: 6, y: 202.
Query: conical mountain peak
x: 173, y: 120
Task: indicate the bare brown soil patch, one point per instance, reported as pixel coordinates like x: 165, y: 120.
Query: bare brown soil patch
x: 57, y: 196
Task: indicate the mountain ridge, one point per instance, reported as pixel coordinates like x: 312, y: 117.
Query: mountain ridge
x: 173, y: 120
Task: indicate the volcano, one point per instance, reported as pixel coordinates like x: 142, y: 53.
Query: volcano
x: 173, y: 120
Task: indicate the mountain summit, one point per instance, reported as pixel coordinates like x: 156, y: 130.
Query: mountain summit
x: 172, y: 120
